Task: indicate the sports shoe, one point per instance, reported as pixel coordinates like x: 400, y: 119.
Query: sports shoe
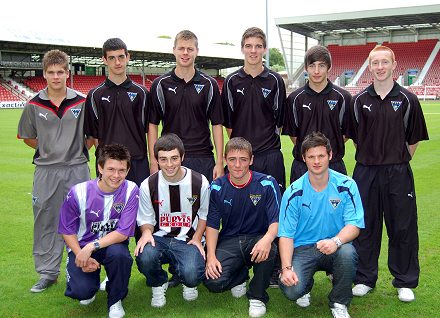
x: 339, y: 311
x: 406, y: 295
x: 190, y: 293
x: 256, y: 308
x: 116, y: 310
x: 42, y: 285
x: 173, y: 281
x: 103, y: 284
x: 239, y: 290
x: 304, y: 301
x: 86, y: 302
x: 158, y: 296
x: 361, y: 290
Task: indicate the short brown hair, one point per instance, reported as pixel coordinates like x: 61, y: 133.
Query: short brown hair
x: 253, y: 32
x: 382, y: 48
x: 114, y: 44
x: 55, y: 57
x: 113, y: 151
x: 315, y: 139
x: 169, y: 142
x: 318, y: 53
x: 186, y: 35
x: 238, y: 143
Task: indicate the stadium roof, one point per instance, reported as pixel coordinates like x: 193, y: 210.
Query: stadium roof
x: 155, y: 53
x: 385, y: 21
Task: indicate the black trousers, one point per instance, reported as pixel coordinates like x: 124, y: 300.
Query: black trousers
x: 388, y: 195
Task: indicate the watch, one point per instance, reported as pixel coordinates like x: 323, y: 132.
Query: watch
x: 337, y: 240
x: 96, y: 245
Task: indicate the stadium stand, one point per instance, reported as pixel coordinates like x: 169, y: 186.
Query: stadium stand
x: 6, y: 95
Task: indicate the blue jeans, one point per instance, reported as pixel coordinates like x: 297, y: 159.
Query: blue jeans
x: 235, y: 258
x: 307, y: 260
x: 188, y: 263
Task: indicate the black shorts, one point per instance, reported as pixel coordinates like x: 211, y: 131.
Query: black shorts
x: 271, y: 163
x: 299, y: 168
x: 203, y: 165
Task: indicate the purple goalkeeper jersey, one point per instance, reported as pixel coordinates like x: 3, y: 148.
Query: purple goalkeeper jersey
x: 91, y: 213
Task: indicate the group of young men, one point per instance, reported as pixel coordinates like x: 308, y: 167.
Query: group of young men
x: 213, y: 223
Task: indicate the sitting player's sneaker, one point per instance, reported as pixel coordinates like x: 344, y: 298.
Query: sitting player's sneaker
x: 339, y: 311
x: 103, y: 284
x: 304, y: 301
x: 239, y: 290
x: 42, y: 284
x: 86, y: 302
x: 256, y: 308
x: 406, y: 295
x: 158, y: 298
x: 190, y: 293
x: 361, y: 290
x: 116, y: 310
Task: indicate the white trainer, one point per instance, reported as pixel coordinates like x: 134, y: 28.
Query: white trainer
x: 239, y: 290
x: 158, y: 298
x: 304, y: 301
x: 406, y: 295
x: 360, y: 290
x: 256, y: 308
x: 116, y: 310
x: 339, y: 311
x: 86, y: 302
x: 190, y: 293
x: 103, y: 284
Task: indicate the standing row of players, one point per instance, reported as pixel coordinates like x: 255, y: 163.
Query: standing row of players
x: 385, y: 121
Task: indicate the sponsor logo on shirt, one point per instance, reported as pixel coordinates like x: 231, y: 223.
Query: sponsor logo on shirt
x: 334, y: 202
x: 43, y: 115
x: 110, y: 225
x: 173, y: 89
x: 75, y: 112
x: 106, y: 98
x: 396, y: 104
x: 95, y: 213
x: 158, y: 202
x: 332, y: 104
x: 131, y: 95
x: 265, y: 92
x: 199, y: 87
x: 367, y: 107
x: 308, y: 206
x: 118, y: 207
x: 193, y: 199
x: 240, y: 91
x: 228, y: 202
x: 175, y: 219
x: 307, y: 106
x: 255, y: 198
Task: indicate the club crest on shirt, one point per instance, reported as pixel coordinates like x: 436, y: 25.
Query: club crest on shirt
x: 34, y: 200
x: 131, y: 95
x: 193, y: 199
x: 75, y: 112
x: 396, y: 104
x: 334, y: 202
x: 118, y: 207
x: 199, y: 87
x: 332, y: 103
x: 265, y: 92
x: 255, y: 198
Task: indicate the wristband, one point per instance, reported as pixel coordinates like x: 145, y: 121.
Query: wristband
x: 337, y: 241
x: 284, y: 268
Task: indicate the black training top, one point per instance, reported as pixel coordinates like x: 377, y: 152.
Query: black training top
x: 186, y: 109
x: 308, y: 111
x: 119, y: 114
x: 383, y: 129
x: 254, y: 108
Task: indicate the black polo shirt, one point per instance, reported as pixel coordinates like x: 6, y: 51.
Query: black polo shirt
x: 308, y: 111
x: 119, y: 114
x: 254, y: 108
x: 383, y: 129
x: 186, y: 109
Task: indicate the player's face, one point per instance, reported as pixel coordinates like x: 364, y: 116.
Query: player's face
x: 253, y: 51
x: 56, y: 77
x: 238, y: 162
x: 170, y: 163
x: 318, y: 73
x: 112, y: 174
x: 317, y: 160
x: 185, y: 52
x: 116, y: 62
x: 382, y: 65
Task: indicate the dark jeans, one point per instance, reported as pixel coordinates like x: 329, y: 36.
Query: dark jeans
x: 188, y: 263
x: 307, y: 260
x: 117, y: 261
x: 235, y: 258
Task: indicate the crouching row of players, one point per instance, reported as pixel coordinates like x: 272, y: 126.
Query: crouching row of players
x: 176, y: 208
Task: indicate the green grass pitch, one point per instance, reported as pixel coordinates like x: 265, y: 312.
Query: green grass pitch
x: 17, y: 273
